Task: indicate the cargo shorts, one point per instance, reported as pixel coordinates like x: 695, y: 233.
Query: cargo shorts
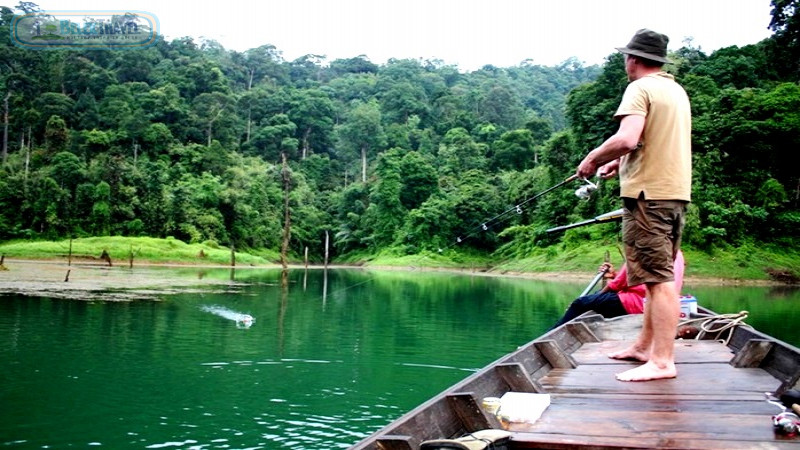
x: 651, y: 231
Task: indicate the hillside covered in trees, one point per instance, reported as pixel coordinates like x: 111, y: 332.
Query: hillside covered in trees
x: 188, y: 139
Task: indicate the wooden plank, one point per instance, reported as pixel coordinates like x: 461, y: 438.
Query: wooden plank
x: 394, y: 442
x: 472, y: 417
x: 698, y: 379
x: 582, y: 332
x: 686, y: 351
x: 582, y: 404
x: 549, y: 441
x: 638, y: 421
x: 567, y: 341
x: 675, y: 426
x: 538, y: 366
x: 590, y: 317
x: 618, y: 328
x: 783, y: 363
x: 534, y: 362
x: 517, y: 380
x: 435, y: 419
x: 753, y: 353
x: 557, y: 357
x: 489, y: 385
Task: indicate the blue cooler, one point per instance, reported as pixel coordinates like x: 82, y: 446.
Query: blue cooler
x: 688, y: 306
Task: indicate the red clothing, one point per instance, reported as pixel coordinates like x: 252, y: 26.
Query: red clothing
x: 633, y: 297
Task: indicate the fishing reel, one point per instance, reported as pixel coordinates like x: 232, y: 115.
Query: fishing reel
x: 786, y: 423
x: 585, y: 191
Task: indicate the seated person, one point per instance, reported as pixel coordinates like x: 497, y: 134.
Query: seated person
x: 617, y: 298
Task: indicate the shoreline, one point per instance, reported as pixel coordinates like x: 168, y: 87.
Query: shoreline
x: 97, y: 281
x: 571, y: 276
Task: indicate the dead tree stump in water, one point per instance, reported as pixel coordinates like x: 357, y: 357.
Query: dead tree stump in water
x: 105, y: 257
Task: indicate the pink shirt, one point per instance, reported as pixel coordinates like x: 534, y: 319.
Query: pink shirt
x: 633, y: 297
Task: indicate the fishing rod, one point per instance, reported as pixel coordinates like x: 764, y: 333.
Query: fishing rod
x: 597, y: 277
x: 485, y: 225
x: 607, y: 217
x: 594, y: 281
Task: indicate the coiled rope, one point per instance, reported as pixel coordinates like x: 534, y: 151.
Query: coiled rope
x: 718, y: 324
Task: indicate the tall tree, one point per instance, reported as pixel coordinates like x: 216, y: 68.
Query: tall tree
x: 786, y: 25
x: 273, y: 138
x: 514, y: 150
x: 56, y: 135
x: 263, y: 64
x: 458, y: 153
x: 101, y: 210
x: 362, y: 133
x: 313, y: 113
x: 214, y: 111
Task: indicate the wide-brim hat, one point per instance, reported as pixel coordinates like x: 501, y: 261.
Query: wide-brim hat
x: 648, y: 44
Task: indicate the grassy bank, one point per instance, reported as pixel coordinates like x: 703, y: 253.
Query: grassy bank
x: 143, y: 249
x: 748, y: 262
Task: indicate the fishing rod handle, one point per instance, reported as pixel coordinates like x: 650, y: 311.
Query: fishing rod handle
x: 594, y: 281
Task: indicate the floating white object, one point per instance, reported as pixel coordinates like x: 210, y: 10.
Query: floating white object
x: 242, y: 320
x: 522, y: 407
x: 245, y: 320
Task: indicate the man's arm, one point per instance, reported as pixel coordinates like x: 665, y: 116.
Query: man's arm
x: 624, y: 141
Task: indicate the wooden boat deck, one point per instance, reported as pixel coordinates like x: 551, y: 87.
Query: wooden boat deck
x: 717, y: 401
x: 710, y: 405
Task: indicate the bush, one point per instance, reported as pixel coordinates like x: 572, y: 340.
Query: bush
x: 211, y: 244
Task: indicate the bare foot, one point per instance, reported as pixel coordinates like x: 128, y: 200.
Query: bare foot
x: 631, y: 353
x: 649, y: 371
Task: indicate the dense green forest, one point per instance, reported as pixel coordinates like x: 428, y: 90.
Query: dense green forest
x: 188, y: 139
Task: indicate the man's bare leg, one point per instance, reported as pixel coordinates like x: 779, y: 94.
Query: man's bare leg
x: 664, y: 309
x: 640, y: 350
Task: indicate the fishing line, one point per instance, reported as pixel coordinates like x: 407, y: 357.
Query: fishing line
x: 583, y: 192
x: 487, y: 224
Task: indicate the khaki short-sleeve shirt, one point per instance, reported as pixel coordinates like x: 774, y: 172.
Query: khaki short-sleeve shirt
x: 661, y: 168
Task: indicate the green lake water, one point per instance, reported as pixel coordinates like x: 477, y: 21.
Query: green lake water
x: 326, y: 362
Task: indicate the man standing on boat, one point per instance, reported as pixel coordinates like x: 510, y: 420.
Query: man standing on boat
x: 651, y: 150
